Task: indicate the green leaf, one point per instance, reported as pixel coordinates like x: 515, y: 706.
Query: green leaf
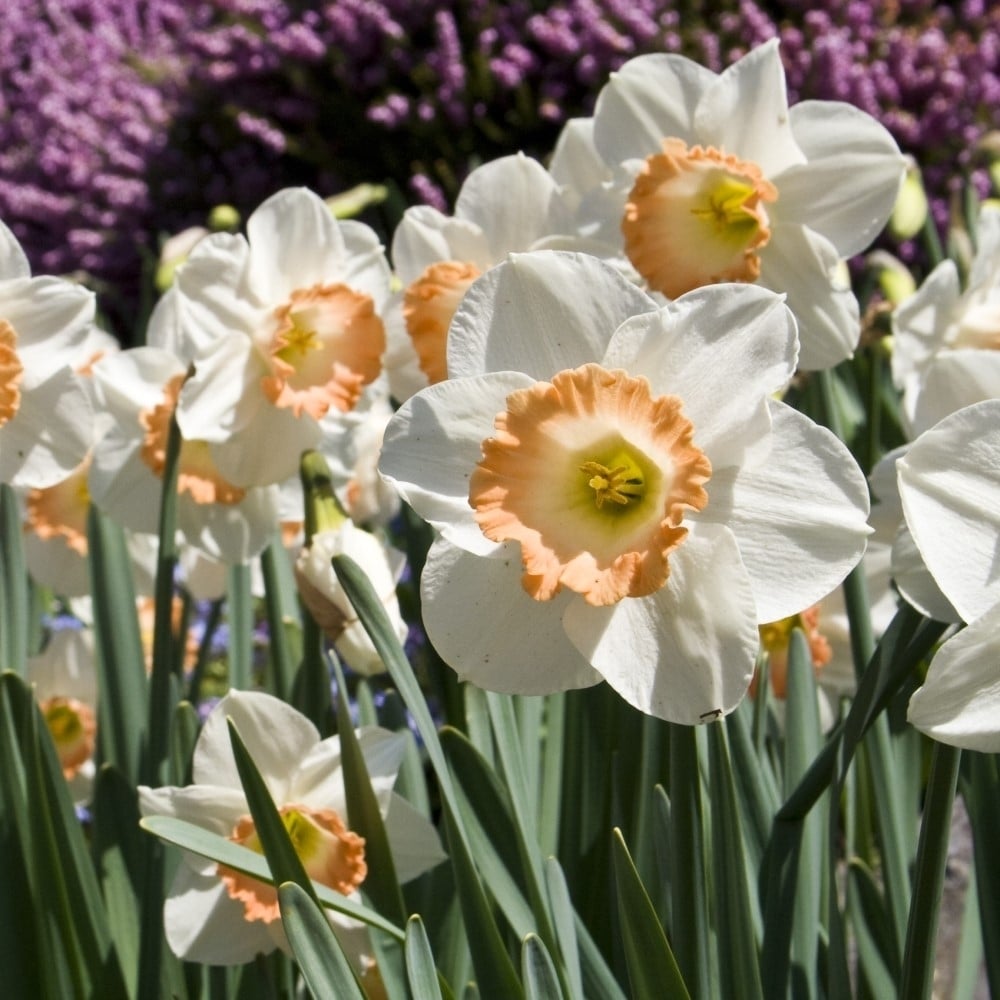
x: 239, y: 607
x: 121, y: 662
x: 279, y: 850
x: 14, y: 619
x: 225, y: 852
x: 538, y: 972
x: 872, y: 931
x: 982, y: 797
x: 421, y: 973
x: 928, y: 881
x: 283, y: 619
x: 321, y: 958
x: 562, y: 918
x: 381, y: 886
x: 739, y: 971
x: 652, y: 968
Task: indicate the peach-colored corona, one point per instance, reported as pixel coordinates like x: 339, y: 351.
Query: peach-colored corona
x: 592, y: 475
x: 330, y: 853
x: 60, y: 511
x: 11, y: 371
x: 774, y: 639
x: 696, y: 216
x: 429, y: 303
x: 327, y: 345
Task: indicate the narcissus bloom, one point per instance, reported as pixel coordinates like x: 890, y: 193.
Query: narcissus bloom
x: 140, y: 388
x: 508, y: 205
x: 46, y: 421
x: 721, y: 181
x: 617, y: 494
x: 946, y: 342
x: 949, y: 482
x: 284, y: 326
x: 217, y: 916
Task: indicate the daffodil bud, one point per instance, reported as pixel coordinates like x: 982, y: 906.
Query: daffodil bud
x: 910, y: 211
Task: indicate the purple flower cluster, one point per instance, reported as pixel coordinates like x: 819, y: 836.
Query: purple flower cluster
x: 121, y: 120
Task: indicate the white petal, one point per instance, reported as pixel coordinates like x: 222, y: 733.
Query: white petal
x: 920, y: 323
x: 425, y: 236
x: 650, y: 98
x: 13, y: 261
x: 915, y: 582
x: 983, y: 275
x: 224, y: 392
x: 514, y: 201
x: 49, y: 435
x: 295, y: 242
x: 686, y: 653
x: 540, y: 313
x: 365, y: 268
x: 213, y: 299
x: 848, y: 188
x: 804, y: 265
x: 948, y: 481
x: 723, y: 349
x: 959, y: 703
x: 122, y: 485
x: 485, y: 626
x: 52, y: 319
x: 204, y: 924
x: 133, y: 380
x: 887, y: 509
x: 434, y: 442
x: 233, y: 533
x: 952, y: 381
x: 575, y: 162
x: 800, y: 516
x: 275, y: 734
x: 413, y: 841
x: 745, y: 112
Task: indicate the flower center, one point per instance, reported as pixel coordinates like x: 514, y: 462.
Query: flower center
x: 695, y: 217
x: 330, y: 853
x: 60, y: 511
x: 591, y: 474
x: 11, y: 371
x: 197, y: 474
x: 428, y: 306
x: 72, y: 727
x: 327, y: 345
x: 774, y: 640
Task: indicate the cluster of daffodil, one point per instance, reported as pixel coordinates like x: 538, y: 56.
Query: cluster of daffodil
x: 595, y: 385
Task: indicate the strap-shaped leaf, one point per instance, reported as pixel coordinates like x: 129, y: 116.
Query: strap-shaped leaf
x: 539, y: 974
x: 421, y: 974
x: 652, y: 968
x: 321, y: 958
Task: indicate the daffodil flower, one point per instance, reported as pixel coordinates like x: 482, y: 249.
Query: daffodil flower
x: 509, y: 204
x: 950, y: 488
x: 64, y: 678
x: 216, y: 915
x: 284, y: 326
x: 719, y: 180
x: 140, y: 388
x: 946, y: 342
x: 46, y: 420
x: 617, y: 494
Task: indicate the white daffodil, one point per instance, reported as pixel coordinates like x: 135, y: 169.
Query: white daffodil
x: 140, y: 388
x: 617, y: 493
x: 510, y: 204
x: 46, y: 421
x: 323, y: 595
x: 64, y: 678
x: 949, y: 482
x: 284, y: 326
x: 215, y: 915
x: 721, y: 181
x: 946, y: 342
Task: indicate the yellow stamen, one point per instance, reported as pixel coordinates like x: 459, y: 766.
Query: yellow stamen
x: 695, y: 217
x: 11, y: 371
x: 330, y: 853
